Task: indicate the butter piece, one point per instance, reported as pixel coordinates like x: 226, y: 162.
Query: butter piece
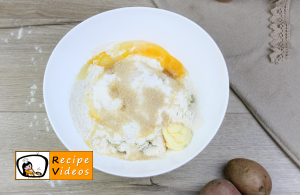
x: 174, y: 127
x: 177, y: 136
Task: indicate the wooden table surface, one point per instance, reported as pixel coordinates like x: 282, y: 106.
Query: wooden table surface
x: 29, y: 31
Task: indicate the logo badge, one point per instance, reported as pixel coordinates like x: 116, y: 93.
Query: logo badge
x: 54, y: 165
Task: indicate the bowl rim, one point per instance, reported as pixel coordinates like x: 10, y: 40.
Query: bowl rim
x: 223, y: 110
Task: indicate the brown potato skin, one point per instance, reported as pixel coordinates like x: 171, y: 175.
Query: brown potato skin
x: 219, y: 187
x: 249, y: 177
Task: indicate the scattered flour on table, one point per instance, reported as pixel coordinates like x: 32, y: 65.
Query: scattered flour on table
x: 32, y: 99
x: 32, y: 93
x: 54, y: 183
x: 5, y: 40
x: 39, y: 49
x: 34, y: 62
x: 60, y: 182
x: 51, y: 183
x: 33, y: 87
x: 20, y: 33
x: 47, y: 123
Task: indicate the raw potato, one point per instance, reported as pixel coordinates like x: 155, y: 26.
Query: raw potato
x: 249, y: 177
x: 219, y: 187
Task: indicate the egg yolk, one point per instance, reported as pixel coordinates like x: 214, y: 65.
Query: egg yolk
x: 171, y: 65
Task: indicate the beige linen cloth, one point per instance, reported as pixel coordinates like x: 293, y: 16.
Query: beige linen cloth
x: 241, y: 29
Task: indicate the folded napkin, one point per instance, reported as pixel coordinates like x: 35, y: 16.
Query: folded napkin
x: 242, y: 30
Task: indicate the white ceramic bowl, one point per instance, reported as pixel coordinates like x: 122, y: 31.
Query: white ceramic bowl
x: 182, y: 38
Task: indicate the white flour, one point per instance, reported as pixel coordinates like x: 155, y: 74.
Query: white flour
x: 178, y: 105
x: 101, y: 97
x: 79, y: 109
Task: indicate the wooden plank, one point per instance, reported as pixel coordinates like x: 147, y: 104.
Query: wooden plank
x: 17, y: 23
x: 239, y: 136
x: 63, y: 9
x: 23, y: 63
